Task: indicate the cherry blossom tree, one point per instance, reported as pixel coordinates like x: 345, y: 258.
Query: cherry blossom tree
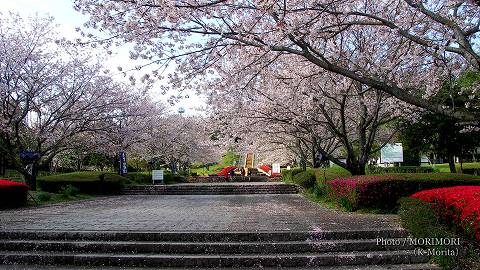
x: 311, y: 115
x: 403, y: 48
x: 177, y: 141
x: 51, y: 93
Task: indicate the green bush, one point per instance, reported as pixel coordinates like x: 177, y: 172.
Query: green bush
x: 44, y: 196
x: 85, y: 182
x: 140, y: 177
x: 473, y: 171
x: 69, y: 191
x: 305, y: 179
x: 400, y: 169
x: 287, y: 175
x: 383, y: 191
x: 145, y: 178
x: 169, y: 178
x: 421, y: 221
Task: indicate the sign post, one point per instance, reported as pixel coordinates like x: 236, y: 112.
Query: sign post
x: 391, y: 153
x: 275, y: 168
x: 123, y: 163
x: 29, y: 158
x: 157, y: 175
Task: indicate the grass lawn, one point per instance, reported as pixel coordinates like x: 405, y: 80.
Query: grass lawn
x: 77, y: 176
x: 330, y: 173
x: 211, y: 170
x: 445, y: 168
x: 45, y: 198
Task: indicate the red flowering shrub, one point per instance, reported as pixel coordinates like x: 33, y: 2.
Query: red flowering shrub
x: 368, y: 191
x: 383, y: 191
x: 12, y: 194
x: 459, y: 206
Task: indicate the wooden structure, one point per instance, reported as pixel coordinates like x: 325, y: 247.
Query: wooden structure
x: 249, y: 163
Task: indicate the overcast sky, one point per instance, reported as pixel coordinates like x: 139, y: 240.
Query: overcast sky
x: 68, y: 19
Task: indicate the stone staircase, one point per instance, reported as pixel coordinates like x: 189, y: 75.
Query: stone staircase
x: 213, y: 189
x: 346, y: 250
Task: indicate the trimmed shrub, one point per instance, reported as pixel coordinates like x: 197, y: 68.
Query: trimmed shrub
x: 12, y: 194
x: 85, y: 182
x: 400, y: 169
x: 456, y: 206
x: 305, y: 179
x: 383, y: 191
x: 145, y: 178
x: 169, y: 178
x: 421, y: 221
x: 44, y: 196
x: 140, y: 177
x: 474, y: 171
x: 69, y: 190
x: 287, y: 175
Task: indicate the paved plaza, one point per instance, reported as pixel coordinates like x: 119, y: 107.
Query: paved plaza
x: 190, y: 213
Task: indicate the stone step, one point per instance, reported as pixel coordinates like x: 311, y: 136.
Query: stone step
x: 356, y: 267
x: 195, y: 236
x: 207, y: 260
x: 201, y: 247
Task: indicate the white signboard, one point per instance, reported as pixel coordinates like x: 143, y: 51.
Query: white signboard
x: 276, y: 168
x: 424, y: 159
x: 391, y: 153
x: 157, y: 175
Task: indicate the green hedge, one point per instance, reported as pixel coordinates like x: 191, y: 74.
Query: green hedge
x: 140, y: 177
x: 400, y: 169
x: 305, y: 179
x: 383, y: 191
x: 145, y: 178
x: 85, y: 182
x: 474, y: 171
x: 287, y: 175
x: 420, y: 219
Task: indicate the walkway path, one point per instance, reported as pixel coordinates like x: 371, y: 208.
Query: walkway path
x: 191, y: 213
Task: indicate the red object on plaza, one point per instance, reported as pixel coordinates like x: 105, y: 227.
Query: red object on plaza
x: 226, y: 171
x: 268, y: 170
x: 459, y: 205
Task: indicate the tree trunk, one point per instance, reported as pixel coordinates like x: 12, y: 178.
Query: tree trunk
x: 315, y: 160
x: 4, y: 164
x: 303, y: 164
x: 357, y: 169
x: 451, y: 163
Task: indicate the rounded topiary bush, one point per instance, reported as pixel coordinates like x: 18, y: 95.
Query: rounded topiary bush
x: 305, y: 179
x: 288, y: 175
